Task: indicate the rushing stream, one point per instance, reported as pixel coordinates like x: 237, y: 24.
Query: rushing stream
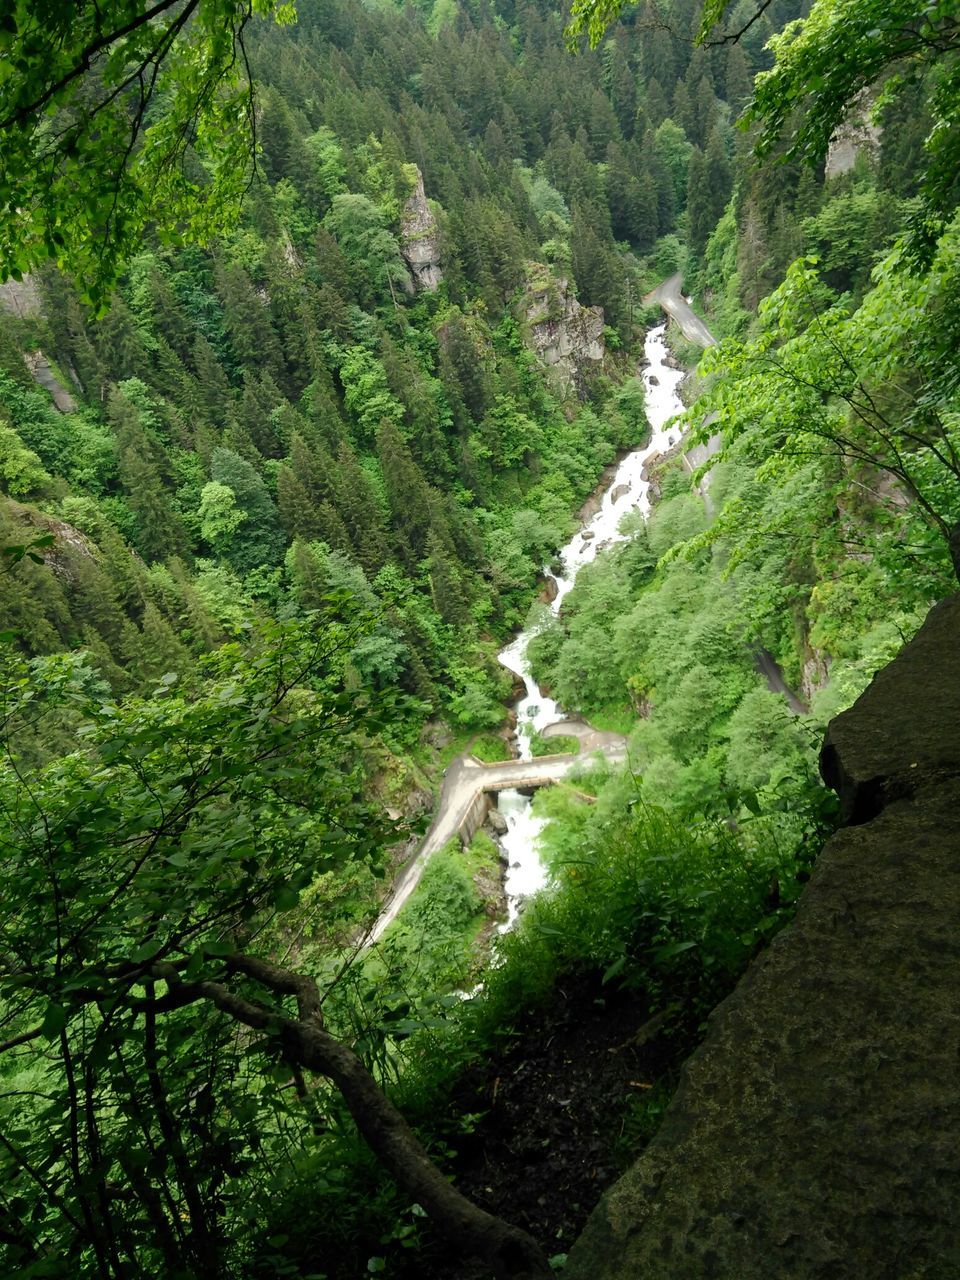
x: 627, y: 492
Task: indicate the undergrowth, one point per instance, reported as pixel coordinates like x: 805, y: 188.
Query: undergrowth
x: 669, y: 909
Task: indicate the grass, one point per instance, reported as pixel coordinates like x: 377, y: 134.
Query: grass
x: 563, y: 745
x: 615, y: 717
x: 490, y: 748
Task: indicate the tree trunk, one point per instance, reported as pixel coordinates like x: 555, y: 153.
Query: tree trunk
x: 512, y: 1254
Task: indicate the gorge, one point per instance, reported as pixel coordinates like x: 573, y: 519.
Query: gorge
x: 320, y: 322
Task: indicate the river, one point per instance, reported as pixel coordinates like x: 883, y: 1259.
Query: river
x: 628, y: 491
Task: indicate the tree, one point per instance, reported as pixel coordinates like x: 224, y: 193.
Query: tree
x: 220, y: 517
x: 765, y: 741
x: 699, y: 202
x: 258, y: 538
x: 371, y: 250
x: 134, y: 876
x: 807, y: 94
x: 105, y: 111
x: 874, y: 390
x: 144, y: 468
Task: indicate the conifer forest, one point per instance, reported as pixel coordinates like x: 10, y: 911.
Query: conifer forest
x: 456, y: 457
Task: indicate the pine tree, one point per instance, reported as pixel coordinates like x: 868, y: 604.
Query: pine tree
x: 213, y: 386
x: 446, y: 589
x: 307, y: 578
x: 333, y: 531
x: 143, y: 465
x: 654, y: 103
x: 407, y: 493
x: 154, y: 650
x: 699, y: 202
x: 258, y: 539
x: 261, y: 396
x: 253, y: 341
x: 360, y: 512
x: 718, y: 175
x: 682, y: 110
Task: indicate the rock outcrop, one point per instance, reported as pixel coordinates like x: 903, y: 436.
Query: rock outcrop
x: 420, y: 239
x: 69, y: 546
x: 565, y: 336
x: 816, y: 1132
x: 858, y: 134
x: 20, y: 298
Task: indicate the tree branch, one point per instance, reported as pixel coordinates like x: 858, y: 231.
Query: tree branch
x: 23, y: 113
x: 511, y: 1253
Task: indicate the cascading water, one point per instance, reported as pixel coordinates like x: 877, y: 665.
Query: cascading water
x: 628, y: 491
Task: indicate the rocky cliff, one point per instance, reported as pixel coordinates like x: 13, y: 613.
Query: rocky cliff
x: 816, y: 1133
x: 420, y: 238
x: 567, y: 337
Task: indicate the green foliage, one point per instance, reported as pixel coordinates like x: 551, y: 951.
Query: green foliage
x: 99, y: 111
x: 644, y: 898
x: 429, y: 949
x: 21, y: 471
x: 177, y: 826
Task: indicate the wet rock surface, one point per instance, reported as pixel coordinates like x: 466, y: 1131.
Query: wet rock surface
x: 497, y: 822
x: 816, y: 1132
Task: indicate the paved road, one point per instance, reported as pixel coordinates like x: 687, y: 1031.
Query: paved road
x: 463, y: 782
x: 671, y: 299
x: 590, y: 739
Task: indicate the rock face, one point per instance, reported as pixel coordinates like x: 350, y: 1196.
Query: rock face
x: 497, y: 822
x: 420, y: 239
x: 20, y: 297
x: 816, y: 1132
x: 566, y: 337
x: 70, y: 545
x: 857, y: 134
x: 815, y: 674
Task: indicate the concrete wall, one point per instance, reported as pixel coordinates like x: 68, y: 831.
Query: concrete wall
x: 475, y: 817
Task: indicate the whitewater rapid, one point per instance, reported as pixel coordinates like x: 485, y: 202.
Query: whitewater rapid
x: 626, y: 493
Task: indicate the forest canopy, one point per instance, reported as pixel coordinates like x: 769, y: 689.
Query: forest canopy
x: 312, y: 365
x: 118, y: 119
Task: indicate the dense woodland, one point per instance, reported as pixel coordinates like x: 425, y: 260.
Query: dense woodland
x: 256, y: 579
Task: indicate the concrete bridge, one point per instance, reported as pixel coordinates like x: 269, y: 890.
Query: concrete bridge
x: 465, y: 801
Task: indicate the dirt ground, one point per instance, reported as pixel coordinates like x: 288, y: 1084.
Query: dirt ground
x: 558, y: 1116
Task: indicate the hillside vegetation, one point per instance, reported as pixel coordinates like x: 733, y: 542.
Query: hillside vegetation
x: 276, y: 486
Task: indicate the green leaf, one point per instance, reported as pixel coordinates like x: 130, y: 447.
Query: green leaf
x: 751, y: 802
x: 671, y: 949
x: 54, y: 1021
x: 286, y: 898
x: 146, y: 952
x: 218, y: 948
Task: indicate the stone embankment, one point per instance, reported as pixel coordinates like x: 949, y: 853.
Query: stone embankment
x: 816, y: 1132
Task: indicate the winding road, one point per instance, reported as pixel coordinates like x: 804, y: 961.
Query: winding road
x: 670, y: 297
x: 464, y: 782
